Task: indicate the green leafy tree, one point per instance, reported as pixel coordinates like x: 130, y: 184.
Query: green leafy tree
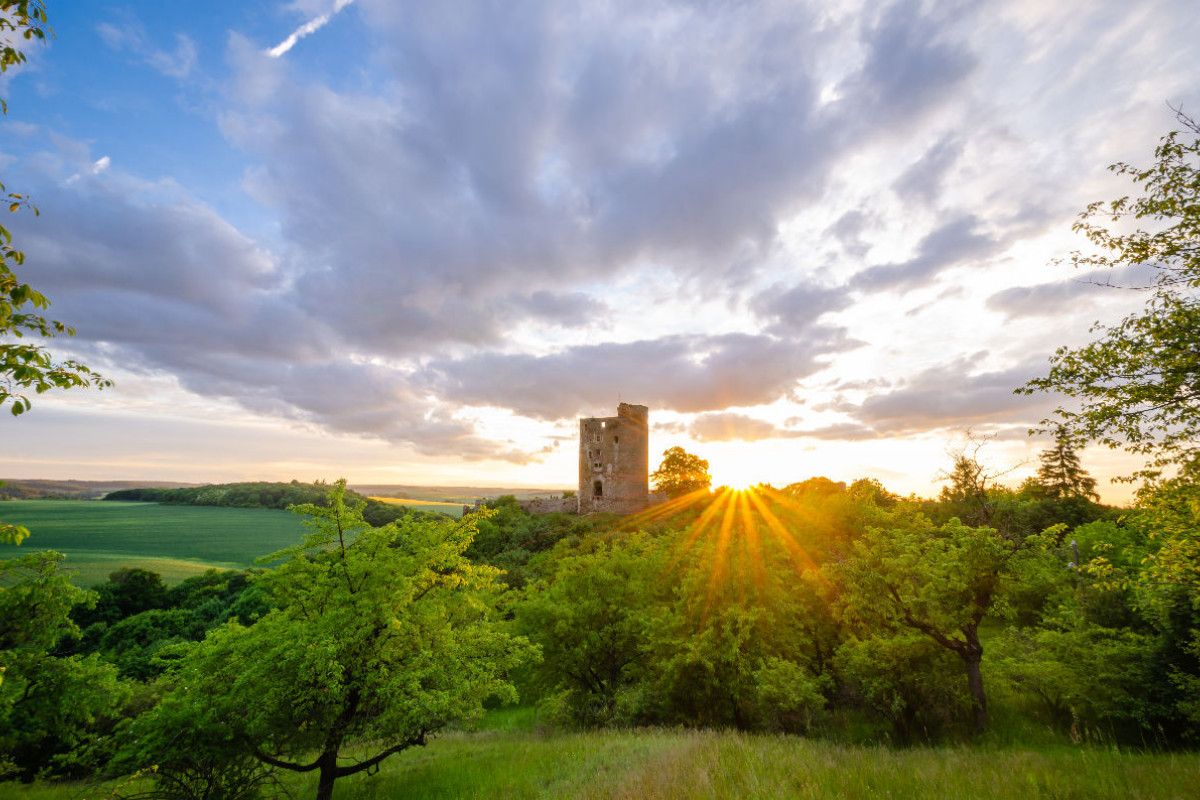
x: 1081, y: 676
x: 942, y: 582
x: 591, y: 617
x: 1138, y: 385
x: 744, y: 638
x: 907, y: 680
x: 680, y: 473
x: 379, y: 636
x: 50, y: 708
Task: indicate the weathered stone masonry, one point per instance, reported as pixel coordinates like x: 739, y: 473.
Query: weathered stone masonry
x: 614, y: 461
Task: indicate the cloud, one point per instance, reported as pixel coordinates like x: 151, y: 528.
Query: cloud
x: 848, y: 230
x: 312, y: 26
x: 537, y: 207
x: 687, y: 374
x: 952, y: 395
x: 547, y: 148
x: 910, y: 67
x: 728, y: 426
x: 795, y: 310
x: 132, y: 37
x: 923, y: 180
x: 1053, y: 299
x: 954, y: 243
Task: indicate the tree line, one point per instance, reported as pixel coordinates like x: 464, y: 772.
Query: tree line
x: 264, y: 494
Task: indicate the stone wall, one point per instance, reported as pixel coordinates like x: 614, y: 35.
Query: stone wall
x: 549, y: 505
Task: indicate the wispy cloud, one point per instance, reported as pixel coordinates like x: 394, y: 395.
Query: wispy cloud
x: 131, y: 36
x: 312, y: 26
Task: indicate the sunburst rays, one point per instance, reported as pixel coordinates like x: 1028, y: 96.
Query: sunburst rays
x: 731, y: 535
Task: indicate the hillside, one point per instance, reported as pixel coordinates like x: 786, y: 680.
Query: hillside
x: 33, y: 489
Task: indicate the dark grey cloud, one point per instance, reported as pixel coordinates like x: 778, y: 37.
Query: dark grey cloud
x: 952, y: 244
x: 528, y: 145
x: 480, y: 169
x: 796, y: 310
x: 952, y: 395
x: 691, y: 373
x: 549, y: 145
x: 910, y: 65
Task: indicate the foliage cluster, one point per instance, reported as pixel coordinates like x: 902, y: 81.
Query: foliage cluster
x: 681, y: 472
x: 821, y: 608
x: 512, y: 539
x: 842, y: 610
x: 361, y: 633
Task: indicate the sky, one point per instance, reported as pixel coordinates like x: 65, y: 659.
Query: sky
x: 412, y: 242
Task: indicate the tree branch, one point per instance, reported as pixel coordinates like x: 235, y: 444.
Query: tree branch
x: 275, y: 762
x: 417, y: 740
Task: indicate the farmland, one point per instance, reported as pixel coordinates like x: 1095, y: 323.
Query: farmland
x: 174, y: 541
x: 442, y: 507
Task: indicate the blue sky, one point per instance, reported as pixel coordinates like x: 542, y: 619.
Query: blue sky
x: 417, y: 242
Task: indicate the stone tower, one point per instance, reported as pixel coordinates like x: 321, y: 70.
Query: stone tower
x: 614, y: 461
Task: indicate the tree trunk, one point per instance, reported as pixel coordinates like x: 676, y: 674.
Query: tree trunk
x: 972, y: 655
x: 328, y: 775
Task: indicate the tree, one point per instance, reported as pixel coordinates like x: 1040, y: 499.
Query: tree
x: 1139, y: 383
x: 592, y: 618
x: 26, y: 366
x: 49, y: 707
x: 941, y: 582
x: 379, y: 635
x: 972, y: 493
x: 680, y: 473
x: 1060, y: 474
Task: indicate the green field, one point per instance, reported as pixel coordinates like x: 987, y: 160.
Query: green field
x: 175, y: 541
x: 442, y: 507
x: 668, y: 764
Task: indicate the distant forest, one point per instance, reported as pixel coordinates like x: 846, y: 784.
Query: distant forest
x: 263, y: 494
x: 40, y: 489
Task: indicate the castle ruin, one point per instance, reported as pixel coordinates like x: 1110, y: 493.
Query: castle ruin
x: 614, y: 461
x: 614, y: 468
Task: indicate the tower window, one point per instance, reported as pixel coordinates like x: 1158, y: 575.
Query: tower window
x: 615, y: 440
x: 598, y: 489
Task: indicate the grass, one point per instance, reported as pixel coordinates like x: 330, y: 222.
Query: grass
x: 506, y: 760
x: 453, y: 509
x: 175, y: 541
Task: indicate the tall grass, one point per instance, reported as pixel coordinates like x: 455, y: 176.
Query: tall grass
x: 682, y: 765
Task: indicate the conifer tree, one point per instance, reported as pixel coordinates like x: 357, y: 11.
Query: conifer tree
x: 1061, y: 474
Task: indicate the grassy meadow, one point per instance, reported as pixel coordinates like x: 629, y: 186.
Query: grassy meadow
x: 504, y: 762
x: 174, y: 541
